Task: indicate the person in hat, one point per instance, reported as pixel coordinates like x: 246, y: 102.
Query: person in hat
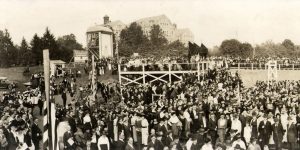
x: 239, y: 142
x: 253, y: 144
x: 174, y: 122
x: 284, y: 122
x: 278, y: 133
x: 151, y: 142
x: 120, y: 144
x: 158, y: 143
x: 194, y: 145
x: 169, y: 139
x: 291, y: 134
x: 144, y: 130
x: 236, y: 124
x: 222, y: 125
x: 212, y: 126
x: 265, y: 131
x: 103, y: 141
x: 201, y: 135
x: 129, y: 145
x: 247, y: 132
x: 68, y: 139
x: 208, y: 145
x: 190, y: 142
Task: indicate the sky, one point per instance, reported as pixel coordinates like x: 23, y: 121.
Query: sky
x: 211, y: 21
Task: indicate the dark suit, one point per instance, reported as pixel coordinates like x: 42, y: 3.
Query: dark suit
x: 265, y: 131
x: 212, y: 126
x: 64, y: 98
x: 72, y: 124
x: 12, y: 142
x: 119, y: 145
x: 168, y: 141
x: 277, y: 135
x: 66, y: 137
x: 36, y: 135
x: 292, y: 136
x: 129, y: 147
x: 159, y: 145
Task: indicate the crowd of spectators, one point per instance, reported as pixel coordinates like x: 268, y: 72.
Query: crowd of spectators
x: 215, y: 113
x: 19, y: 128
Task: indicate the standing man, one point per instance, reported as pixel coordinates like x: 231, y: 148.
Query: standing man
x: 68, y: 139
x: 277, y: 133
x: 222, y: 125
x: 291, y: 134
x: 144, y: 131
x: 129, y: 145
x: 265, y: 131
x: 36, y: 134
x: 212, y: 126
x: 64, y: 97
x: 103, y: 141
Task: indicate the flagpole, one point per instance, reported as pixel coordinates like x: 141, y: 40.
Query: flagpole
x: 46, y: 140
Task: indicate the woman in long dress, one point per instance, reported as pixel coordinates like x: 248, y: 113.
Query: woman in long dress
x: 174, y: 124
x: 247, y: 133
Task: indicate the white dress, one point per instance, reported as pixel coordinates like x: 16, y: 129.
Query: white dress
x: 247, y: 133
x: 145, y: 133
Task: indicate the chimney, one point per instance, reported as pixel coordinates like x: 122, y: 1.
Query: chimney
x: 106, y: 19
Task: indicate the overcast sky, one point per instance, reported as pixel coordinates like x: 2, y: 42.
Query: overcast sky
x: 211, y: 21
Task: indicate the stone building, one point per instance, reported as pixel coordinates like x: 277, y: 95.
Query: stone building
x: 170, y: 30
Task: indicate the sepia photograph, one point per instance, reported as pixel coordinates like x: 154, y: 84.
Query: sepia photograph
x: 149, y: 75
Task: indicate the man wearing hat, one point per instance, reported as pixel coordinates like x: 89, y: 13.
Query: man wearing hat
x: 291, y: 134
x: 239, y: 142
x: 222, y: 125
x: 277, y: 133
x: 103, y: 141
x: 265, y: 131
x: 158, y: 143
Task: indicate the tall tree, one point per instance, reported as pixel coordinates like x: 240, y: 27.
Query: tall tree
x: 49, y: 42
x: 157, y: 37
x: 66, y: 45
x: 37, y: 49
x: 132, y: 39
x: 235, y: 48
x: 288, y: 44
x: 25, y: 55
x: 8, y: 52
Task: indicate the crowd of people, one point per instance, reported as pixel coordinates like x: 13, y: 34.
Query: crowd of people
x: 19, y: 128
x: 180, y: 63
x: 215, y: 113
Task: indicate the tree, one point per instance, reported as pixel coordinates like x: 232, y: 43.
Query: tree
x: 8, y: 52
x: 25, y: 54
x: 132, y: 39
x: 288, y: 44
x: 157, y: 37
x: 230, y: 47
x: 49, y: 42
x: 246, y: 50
x: 37, y: 49
x: 66, y: 45
x: 235, y: 48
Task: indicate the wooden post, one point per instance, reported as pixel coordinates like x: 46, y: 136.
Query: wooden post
x: 144, y: 81
x: 293, y: 66
x: 203, y: 69
x: 93, y: 73
x: 238, y: 66
x: 198, y: 71
x: 120, y: 79
x: 170, y: 76
x: 46, y: 62
x: 252, y: 66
